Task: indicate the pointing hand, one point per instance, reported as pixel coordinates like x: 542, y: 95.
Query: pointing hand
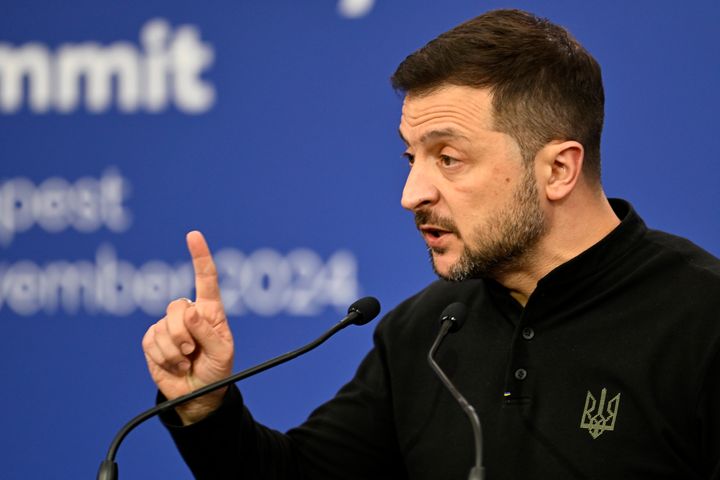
x: 192, y: 346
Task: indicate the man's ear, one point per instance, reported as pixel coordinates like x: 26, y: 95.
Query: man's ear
x: 560, y: 166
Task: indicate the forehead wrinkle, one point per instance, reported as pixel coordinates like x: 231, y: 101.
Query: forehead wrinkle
x: 442, y: 133
x: 462, y: 128
x: 466, y: 115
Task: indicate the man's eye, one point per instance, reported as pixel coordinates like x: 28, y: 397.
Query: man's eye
x: 447, y: 161
x: 410, y: 158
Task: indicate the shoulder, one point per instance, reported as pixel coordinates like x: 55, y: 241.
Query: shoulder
x: 681, y: 258
x: 676, y: 284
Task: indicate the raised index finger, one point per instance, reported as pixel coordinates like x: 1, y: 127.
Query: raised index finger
x: 206, y: 279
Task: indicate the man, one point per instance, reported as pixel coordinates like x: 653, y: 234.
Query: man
x: 591, y: 344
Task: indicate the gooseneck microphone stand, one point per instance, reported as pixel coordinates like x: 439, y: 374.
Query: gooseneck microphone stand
x: 359, y: 313
x: 451, y: 320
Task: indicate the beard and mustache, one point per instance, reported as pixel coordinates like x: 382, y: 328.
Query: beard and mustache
x: 505, y: 243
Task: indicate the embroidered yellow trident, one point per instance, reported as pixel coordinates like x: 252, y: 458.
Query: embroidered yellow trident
x: 597, y: 418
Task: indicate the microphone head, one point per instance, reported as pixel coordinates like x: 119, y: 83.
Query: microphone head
x: 365, y: 310
x: 455, y: 313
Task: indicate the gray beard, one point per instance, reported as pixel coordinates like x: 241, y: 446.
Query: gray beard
x: 508, y: 240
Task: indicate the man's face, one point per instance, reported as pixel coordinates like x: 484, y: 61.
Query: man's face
x: 475, y: 202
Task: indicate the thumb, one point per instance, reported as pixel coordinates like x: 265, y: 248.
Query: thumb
x: 209, y: 340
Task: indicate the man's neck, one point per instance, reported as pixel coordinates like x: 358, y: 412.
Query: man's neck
x: 572, y: 230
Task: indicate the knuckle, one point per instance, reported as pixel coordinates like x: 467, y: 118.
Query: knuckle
x: 179, y: 335
x: 177, y: 330
x: 157, y: 359
x: 179, y: 304
x: 148, y: 338
x: 160, y: 326
x: 172, y: 360
x: 166, y: 365
x: 154, y: 355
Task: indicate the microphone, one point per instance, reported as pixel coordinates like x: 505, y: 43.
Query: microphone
x: 451, y: 320
x: 359, y: 313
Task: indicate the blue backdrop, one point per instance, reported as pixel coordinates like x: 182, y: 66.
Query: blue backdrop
x: 271, y: 127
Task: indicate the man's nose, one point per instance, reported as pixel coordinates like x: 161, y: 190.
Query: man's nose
x: 419, y: 189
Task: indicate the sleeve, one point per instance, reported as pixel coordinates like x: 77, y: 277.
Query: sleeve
x: 353, y: 435
x: 350, y: 437
x: 229, y: 444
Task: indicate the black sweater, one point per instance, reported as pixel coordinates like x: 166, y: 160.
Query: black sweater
x: 609, y: 372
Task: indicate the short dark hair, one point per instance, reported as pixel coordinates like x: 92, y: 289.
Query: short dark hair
x: 545, y: 85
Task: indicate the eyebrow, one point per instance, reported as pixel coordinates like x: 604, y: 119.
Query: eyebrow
x: 402, y: 137
x: 435, y: 134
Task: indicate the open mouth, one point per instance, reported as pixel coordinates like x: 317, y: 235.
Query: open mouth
x: 434, y: 232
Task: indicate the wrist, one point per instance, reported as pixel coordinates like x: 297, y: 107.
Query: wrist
x: 200, y: 408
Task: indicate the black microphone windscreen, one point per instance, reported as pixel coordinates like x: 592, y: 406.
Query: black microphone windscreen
x: 455, y: 313
x: 367, y: 308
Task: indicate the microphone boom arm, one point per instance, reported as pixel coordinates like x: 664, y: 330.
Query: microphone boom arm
x: 108, y: 468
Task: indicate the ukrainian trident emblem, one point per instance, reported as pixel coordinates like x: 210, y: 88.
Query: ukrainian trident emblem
x: 599, y: 417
